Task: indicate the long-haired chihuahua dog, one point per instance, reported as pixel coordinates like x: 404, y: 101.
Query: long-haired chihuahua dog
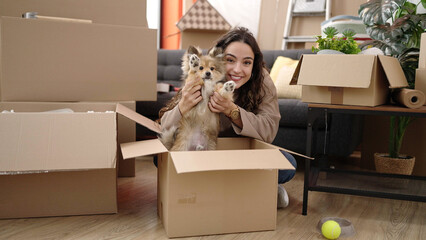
x: 198, y: 129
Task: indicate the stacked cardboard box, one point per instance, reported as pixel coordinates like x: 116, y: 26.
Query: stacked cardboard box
x: 421, y: 71
x: 66, y: 163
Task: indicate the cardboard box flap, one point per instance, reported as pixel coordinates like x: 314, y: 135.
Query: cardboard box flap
x: 144, y: 121
x: 340, y: 66
x: 142, y: 148
x: 32, y: 142
x: 296, y: 73
x: 199, y: 161
x: 393, y: 71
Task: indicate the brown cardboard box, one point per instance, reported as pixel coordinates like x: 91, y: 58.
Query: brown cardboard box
x: 421, y: 80
x: 232, y: 189
x: 126, y: 129
x: 123, y: 12
x: 57, y: 164
x: 48, y: 60
x: 362, y: 80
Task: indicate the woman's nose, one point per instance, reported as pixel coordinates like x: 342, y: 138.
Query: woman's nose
x: 237, y: 67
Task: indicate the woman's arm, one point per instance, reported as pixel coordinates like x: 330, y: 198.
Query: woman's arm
x: 191, y: 96
x: 261, y: 125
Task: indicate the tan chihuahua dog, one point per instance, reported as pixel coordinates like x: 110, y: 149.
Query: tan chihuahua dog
x: 198, y: 129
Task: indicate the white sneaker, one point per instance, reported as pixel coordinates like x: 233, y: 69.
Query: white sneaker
x: 282, y: 197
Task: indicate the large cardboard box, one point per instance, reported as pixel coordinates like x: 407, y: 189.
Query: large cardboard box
x: 123, y: 12
x: 126, y: 129
x: 362, y: 80
x: 232, y: 189
x: 57, y: 163
x: 50, y: 60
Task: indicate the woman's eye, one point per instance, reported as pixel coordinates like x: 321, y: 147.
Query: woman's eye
x: 212, y: 68
x: 201, y: 68
x: 230, y: 60
x: 247, y: 63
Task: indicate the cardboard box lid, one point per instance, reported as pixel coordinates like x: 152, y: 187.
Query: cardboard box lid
x: 393, y: 71
x: 354, y: 71
x: 31, y: 142
x: 196, y: 161
x: 200, y: 161
x: 142, y: 148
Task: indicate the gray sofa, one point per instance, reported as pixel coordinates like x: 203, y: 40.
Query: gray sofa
x: 344, y: 130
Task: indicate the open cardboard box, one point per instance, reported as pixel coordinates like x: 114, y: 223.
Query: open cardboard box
x: 57, y: 163
x: 362, y: 80
x: 51, y: 60
x: 126, y: 128
x: 232, y: 189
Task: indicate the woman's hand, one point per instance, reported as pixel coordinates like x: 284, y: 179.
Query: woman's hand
x: 191, y: 96
x: 219, y: 104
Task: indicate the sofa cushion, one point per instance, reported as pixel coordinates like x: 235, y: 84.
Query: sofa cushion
x: 282, y: 73
x: 169, y: 66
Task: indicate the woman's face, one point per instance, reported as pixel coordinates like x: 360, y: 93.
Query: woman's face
x: 239, y: 63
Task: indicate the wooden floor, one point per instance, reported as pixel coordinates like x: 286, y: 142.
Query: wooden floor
x: 373, y: 218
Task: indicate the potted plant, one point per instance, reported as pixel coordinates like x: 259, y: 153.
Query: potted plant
x: 345, y: 44
x: 396, y: 28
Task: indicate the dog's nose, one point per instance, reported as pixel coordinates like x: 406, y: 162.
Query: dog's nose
x: 208, y: 73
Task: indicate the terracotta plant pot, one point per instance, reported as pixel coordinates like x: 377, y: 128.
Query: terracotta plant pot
x: 386, y: 164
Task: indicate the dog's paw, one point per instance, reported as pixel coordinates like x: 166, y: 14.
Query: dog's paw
x: 229, y: 86
x: 194, y: 62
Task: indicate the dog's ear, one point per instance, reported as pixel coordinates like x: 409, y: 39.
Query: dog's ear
x: 194, y: 50
x: 216, y: 52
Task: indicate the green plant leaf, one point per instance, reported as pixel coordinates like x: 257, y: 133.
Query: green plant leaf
x: 378, y: 11
x: 330, y: 32
x: 423, y: 3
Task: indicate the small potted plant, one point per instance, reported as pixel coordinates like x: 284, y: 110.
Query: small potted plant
x: 395, y: 28
x: 339, y: 45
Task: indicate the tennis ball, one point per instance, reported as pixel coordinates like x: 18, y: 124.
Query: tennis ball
x: 331, y: 229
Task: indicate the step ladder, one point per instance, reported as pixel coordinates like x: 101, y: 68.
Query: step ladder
x: 304, y: 8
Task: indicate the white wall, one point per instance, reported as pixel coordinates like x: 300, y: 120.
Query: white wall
x: 153, y: 13
x: 242, y: 13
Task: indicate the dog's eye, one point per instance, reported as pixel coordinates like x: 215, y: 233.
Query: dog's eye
x: 201, y: 68
x: 212, y: 68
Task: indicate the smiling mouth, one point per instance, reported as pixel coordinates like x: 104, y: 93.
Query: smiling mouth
x: 235, y: 78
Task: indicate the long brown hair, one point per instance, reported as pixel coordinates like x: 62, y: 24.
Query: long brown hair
x: 250, y: 94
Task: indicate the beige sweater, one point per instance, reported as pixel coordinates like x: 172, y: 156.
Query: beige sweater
x: 262, y: 125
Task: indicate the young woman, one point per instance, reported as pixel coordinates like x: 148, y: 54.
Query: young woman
x: 254, y: 112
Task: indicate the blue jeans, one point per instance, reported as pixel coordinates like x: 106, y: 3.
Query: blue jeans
x: 286, y: 175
